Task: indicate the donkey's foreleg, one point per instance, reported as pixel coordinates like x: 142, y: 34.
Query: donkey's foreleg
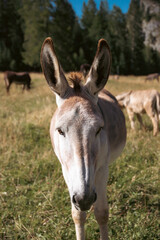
x: 101, y: 214
x: 7, y: 84
x: 23, y: 87
x: 79, y: 221
x: 101, y: 205
x: 154, y: 120
x: 140, y: 121
x: 8, y: 87
x: 152, y: 114
x: 131, y: 118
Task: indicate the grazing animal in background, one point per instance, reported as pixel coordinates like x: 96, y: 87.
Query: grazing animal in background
x: 152, y: 77
x: 20, y: 78
x: 87, y: 132
x: 84, y: 68
x: 144, y: 101
x: 115, y: 77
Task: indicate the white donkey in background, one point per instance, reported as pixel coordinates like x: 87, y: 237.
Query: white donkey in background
x: 142, y: 101
x: 87, y: 132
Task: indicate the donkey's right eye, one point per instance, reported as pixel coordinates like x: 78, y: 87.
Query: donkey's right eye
x: 61, y: 132
x: 98, y: 131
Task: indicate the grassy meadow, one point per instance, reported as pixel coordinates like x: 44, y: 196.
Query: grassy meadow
x: 34, y: 199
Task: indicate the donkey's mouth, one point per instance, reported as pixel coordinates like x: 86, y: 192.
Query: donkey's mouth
x: 83, y: 209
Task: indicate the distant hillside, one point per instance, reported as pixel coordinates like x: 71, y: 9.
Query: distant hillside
x: 151, y: 23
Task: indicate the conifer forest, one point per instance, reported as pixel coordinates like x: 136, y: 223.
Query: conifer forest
x: 24, y: 24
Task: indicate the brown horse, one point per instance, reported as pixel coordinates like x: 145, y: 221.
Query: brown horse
x: 21, y: 78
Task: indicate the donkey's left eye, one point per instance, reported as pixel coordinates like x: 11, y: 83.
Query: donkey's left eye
x: 98, y: 131
x: 61, y: 132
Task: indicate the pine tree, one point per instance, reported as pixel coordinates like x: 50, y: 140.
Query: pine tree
x: 11, y: 35
x: 89, y: 12
x: 99, y: 27
x: 63, y: 32
x: 35, y: 15
x: 78, y: 51
x: 152, y: 60
x: 136, y: 37
x: 118, y: 41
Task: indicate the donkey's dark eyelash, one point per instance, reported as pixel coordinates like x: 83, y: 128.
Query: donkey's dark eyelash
x: 60, y: 132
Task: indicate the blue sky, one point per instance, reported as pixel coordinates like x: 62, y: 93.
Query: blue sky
x: 77, y: 5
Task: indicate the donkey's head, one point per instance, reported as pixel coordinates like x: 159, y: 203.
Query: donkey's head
x: 77, y: 128
x: 123, y: 99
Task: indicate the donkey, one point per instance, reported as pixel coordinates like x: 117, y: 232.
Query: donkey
x: 87, y: 132
x: 115, y: 77
x: 21, y: 78
x: 152, y: 77
x: 143, y: 101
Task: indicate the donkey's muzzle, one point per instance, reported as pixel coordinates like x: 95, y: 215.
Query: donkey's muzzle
x: 83, y: 202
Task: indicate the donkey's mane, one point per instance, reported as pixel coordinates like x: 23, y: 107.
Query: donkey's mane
x: 75, y: 80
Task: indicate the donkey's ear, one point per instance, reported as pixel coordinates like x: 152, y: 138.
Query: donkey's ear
x: 122, y: 96
x: 100, y: 69
x: 52, y: 70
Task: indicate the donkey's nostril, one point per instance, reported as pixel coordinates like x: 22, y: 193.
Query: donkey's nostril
x: 95, y: 197
x: 74, y: 199
x: 84, y: 202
